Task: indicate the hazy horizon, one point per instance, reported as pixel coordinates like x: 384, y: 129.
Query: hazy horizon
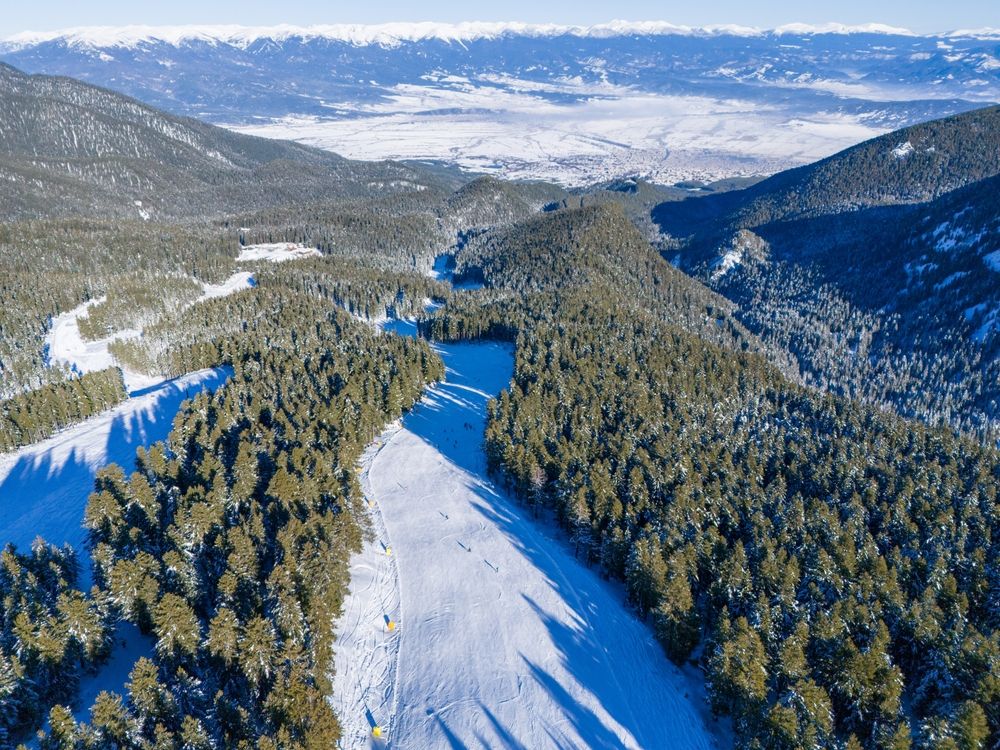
x: 922, y: 18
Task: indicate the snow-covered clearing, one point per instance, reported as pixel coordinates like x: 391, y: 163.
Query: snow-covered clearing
x: 903, y: 150
x: 276, y: 252
x: 502, y: 638
x: 65, y: 346
x: 235, y: 283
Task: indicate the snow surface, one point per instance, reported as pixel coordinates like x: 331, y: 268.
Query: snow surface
x: 65, y: 346
x: 235, y: 283
x: 508, y: 127
x: 44, y: 487
x: 903, y: 150
x: 729, y: 260
x: 276, y: 252
x: 503, y: 639
x: 992, y: 260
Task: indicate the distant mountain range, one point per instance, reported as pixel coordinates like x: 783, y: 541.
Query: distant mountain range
x: 574, y: 104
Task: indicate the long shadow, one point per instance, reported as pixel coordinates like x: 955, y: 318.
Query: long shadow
x: 451, y: 418
x: 44, y: 487
x: 44, y: 490
x: 453, y: 742
x: 587, y: 724
x: 509, y: 741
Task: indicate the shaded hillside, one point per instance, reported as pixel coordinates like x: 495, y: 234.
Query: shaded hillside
x: 874, y: 268
x: 911, y: 165
x: 70, y: 148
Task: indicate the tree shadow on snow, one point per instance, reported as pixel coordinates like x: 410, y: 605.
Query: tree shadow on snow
x: 45, y: 490
x: 451, y: 415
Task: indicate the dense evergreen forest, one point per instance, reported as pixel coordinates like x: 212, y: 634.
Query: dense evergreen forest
x: 50, y: 634
x: 35, y: 415
x: 832, y: 568
x: 872, y: 270
x: 229, y: 543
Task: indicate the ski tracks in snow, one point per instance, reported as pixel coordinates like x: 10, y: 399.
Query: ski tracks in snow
x: 366, y: 650
x: 504, y: 639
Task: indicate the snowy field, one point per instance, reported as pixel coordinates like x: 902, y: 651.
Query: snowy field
x: 501, y: 638
x: 613, y: 131
x: 276, y: 252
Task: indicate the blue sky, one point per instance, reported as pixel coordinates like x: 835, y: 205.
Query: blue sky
x: 918, y: 15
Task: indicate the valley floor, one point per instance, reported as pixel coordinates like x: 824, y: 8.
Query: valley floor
x: 499, y: 637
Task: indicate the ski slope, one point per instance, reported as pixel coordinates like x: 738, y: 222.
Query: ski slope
x: 44, y: 486
x: 66, y: 347
x: 44, y: 489
x: 502, y: 638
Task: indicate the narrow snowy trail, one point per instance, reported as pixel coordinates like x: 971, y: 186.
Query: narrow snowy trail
x: 503, y: 638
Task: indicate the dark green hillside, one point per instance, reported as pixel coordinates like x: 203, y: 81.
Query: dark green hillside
x: 70, y: 148
x: 870, y: 269
x: 946, y: 154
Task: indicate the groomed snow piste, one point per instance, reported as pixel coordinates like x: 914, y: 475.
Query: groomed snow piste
x: 500, y: 638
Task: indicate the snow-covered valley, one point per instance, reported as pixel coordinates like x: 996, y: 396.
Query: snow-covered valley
x: 499, y: 636
x: 570, y: 104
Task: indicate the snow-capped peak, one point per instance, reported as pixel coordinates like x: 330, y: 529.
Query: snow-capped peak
x: 393, y: 34
x: 805, y: 29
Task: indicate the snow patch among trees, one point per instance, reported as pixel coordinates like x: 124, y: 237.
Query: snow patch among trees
x: 276, y: 252
x: 903, y: 150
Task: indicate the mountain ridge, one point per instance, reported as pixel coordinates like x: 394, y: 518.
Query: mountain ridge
x: 398, y: 32
x: 68, y: 146
x: 574, y: 105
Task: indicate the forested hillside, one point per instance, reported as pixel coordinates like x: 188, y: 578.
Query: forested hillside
x: 71, y: 149
x: 872, y: 269
x: 829, y: 566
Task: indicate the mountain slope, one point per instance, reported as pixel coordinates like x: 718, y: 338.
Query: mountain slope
x: 911, y: 165
x: 68, y: 147
x: 873, y: 268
